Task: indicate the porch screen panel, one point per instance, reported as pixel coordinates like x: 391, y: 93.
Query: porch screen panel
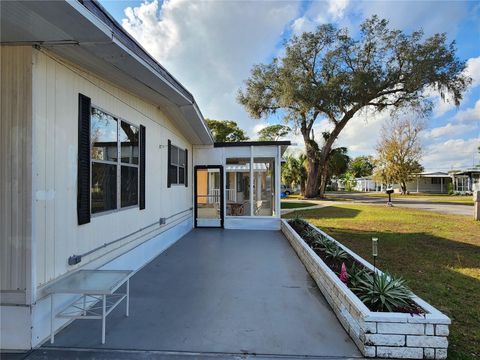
x: 237, y: 194
x: 264, y: 186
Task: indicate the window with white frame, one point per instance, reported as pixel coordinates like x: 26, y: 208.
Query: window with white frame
x: 177, y: 168
x: 114, y: 162
x: 250, y: 186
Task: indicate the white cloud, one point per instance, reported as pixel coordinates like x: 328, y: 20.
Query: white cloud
x: 447, y: 130
x: 451, y: 154
x: 336, y: 8
x: 473, y: 70
x: 470, y: 114
x: 210, y: 46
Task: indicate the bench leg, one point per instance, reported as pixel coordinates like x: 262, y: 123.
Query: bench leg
x: 128, y: 296
x: 52, y: 320
x: 104, y: 315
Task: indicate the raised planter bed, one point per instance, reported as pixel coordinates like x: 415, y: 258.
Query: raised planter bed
x: 377, y: 334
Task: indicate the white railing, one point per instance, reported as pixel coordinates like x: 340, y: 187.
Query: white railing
x: 214, y: 196
x: 231, y: 195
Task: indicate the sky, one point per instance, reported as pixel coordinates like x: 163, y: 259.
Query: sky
x: 211, y: 46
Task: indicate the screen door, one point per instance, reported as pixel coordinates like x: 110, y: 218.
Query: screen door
x: 208, y: 196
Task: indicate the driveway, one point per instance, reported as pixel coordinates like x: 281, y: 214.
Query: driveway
x: 222, y: 293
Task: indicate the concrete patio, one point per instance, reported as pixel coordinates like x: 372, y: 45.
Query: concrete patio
x: 228, y: 293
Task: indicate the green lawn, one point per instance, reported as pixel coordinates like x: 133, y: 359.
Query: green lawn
x: 295, y: 205
x: 438, y: 254
x: 455, y: 199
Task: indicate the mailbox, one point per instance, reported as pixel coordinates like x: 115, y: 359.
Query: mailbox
x: 389, y: 191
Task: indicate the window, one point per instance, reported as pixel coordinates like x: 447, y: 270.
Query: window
x: 250, y: 187
x: 264, y: 186
x: 177, y: 169
x: 238, y: 187
x: 436, y: 181
x: 114, y: 162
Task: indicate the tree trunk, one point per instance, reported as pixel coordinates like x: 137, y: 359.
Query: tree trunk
x: 311, y: 188
x: 323, y: 178
x: 403, y: 185
x: 318, y: 160
x: 327, y: 148
x: 311, y: 147
x: 302, y: 188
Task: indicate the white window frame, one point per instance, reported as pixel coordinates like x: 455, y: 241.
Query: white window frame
x: 118, y: 164
x: 177, y: 165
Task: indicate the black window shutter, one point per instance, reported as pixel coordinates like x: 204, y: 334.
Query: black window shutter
x: 169, y: 158
x: 83, y: 161
x: 186, y: 168
x: 142, y: 167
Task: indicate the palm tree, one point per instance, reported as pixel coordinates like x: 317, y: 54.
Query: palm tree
x: 294, y: 172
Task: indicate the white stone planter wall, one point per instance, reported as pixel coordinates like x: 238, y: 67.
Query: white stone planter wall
x: 377, y: 334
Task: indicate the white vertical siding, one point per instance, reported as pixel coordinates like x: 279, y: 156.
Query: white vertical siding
x: 15, y: 171
x: 56, y: 85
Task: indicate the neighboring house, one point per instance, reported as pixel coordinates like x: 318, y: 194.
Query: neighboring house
x: 367, y: 184
x: 106, y: 159
x: 428, y: 182
x: 466, y: 181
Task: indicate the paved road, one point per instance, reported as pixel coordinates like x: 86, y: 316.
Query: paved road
x: 413, y: 202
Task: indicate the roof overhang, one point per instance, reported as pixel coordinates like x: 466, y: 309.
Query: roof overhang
x: 433, y: 175
x: 282, y: 144
x: 86, y: 35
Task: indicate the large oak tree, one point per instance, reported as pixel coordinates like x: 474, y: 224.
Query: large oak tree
x: 226, y: 131
x: 330, y: 74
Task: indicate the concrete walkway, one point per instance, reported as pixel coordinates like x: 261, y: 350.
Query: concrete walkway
x: 228, y: 293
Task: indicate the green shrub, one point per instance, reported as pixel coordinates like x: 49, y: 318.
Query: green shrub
x: 383, y: 292
x: 310, y: 234
x: 450, y: 188
x: 334, y: 252
x: 355, y: 275
x: 298, y: 221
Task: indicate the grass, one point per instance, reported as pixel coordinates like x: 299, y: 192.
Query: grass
x: 295, y: 205
x: 453, y: 199
x: 438, y: 254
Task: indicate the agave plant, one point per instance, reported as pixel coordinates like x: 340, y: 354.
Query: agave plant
x: 311, y: 234
x: 355, y: 275
x: 298, y: 221
x: 334, y: 251
x: 320, y: 242
x: 383, y: 292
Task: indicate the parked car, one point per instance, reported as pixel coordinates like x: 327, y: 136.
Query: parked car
x: 287, y: 190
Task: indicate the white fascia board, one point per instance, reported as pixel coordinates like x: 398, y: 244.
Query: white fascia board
x: 181, y: 101
x: 75, y: 4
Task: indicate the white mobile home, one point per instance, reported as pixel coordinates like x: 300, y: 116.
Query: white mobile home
x: 427, y: 182
x: 106, y: 159
x: 466, y: 181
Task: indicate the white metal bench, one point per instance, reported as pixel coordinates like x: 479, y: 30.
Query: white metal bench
x: 98, y: 297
